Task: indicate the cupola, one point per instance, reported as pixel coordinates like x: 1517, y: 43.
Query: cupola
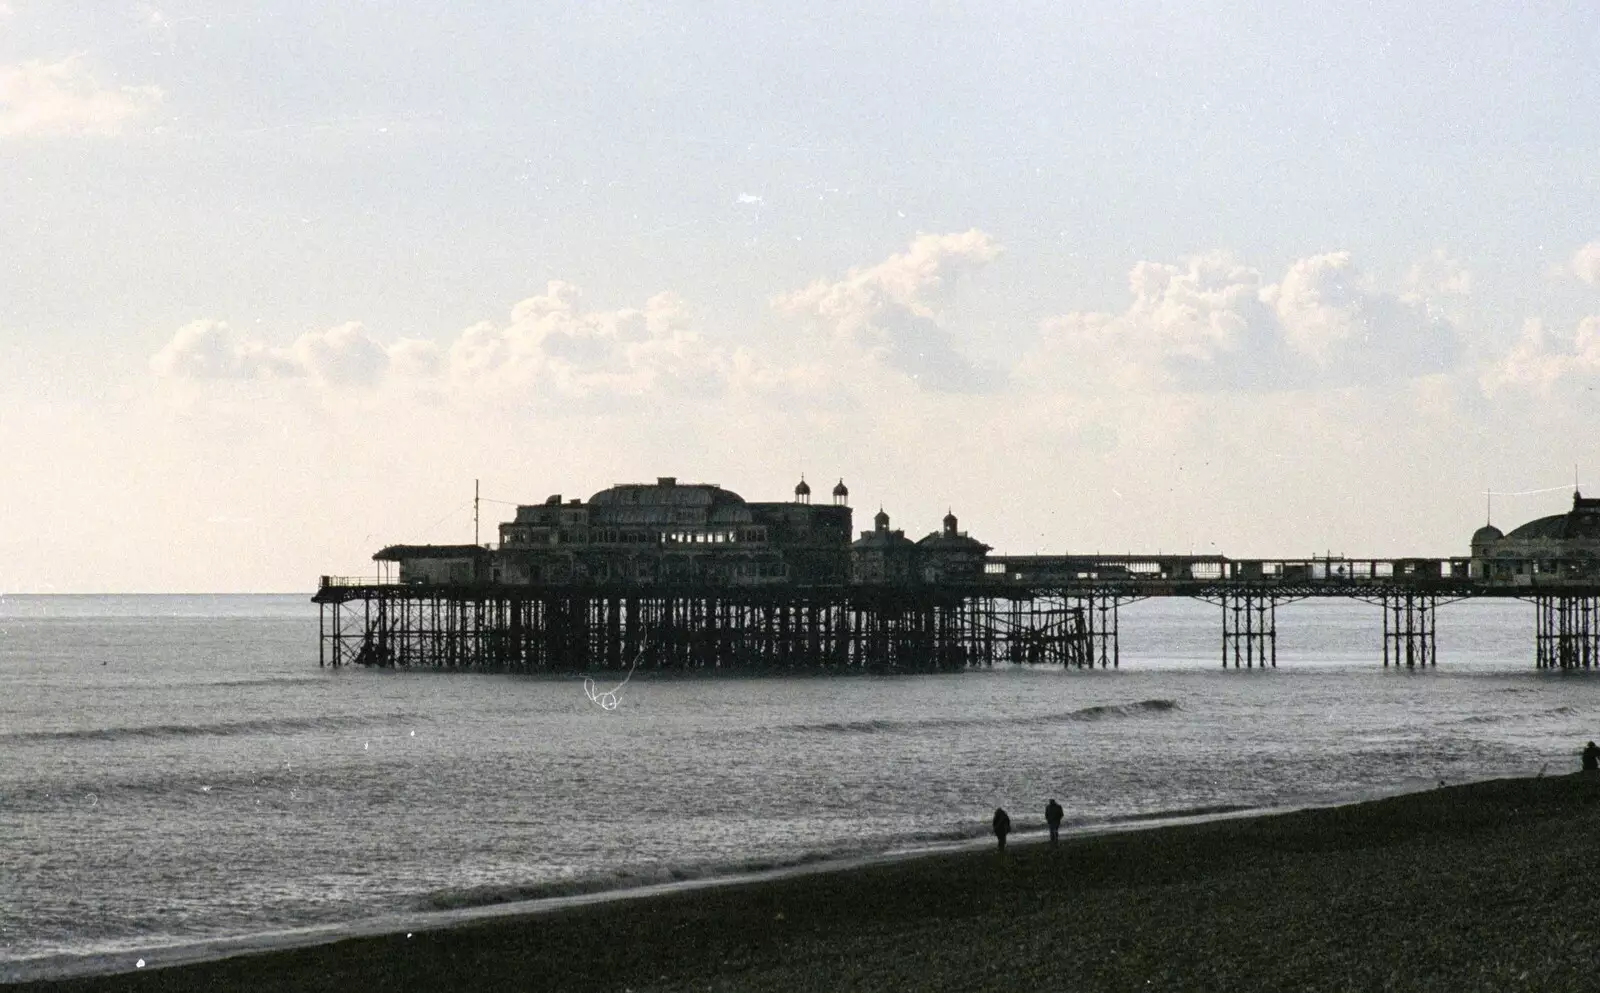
x: 802, y: 491
x: 841, y: 494
x: 880, y: 520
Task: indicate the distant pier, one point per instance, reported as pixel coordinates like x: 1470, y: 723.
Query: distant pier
x: 1058, y: 610
x: 691, y: 576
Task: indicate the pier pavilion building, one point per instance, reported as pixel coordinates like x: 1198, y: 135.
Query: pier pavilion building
x: 673, y: 533
x: 669, y: 533
x: 951, y: 555
x: 1558, y: 547
x: 882, y: 555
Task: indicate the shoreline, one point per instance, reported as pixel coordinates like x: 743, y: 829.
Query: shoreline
x: 1486, y: 886
x: 51, y: 968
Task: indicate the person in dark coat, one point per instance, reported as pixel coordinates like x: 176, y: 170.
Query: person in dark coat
x: 1591, y: 757
x: 1052, y: 816
x: 1002, y: 826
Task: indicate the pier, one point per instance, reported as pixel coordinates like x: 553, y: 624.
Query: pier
x: 670, y: 576
x: 1023, y: 614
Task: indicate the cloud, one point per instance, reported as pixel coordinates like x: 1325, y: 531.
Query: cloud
x: 1586, y: 263
x: 1355, y: 332
x: 889, y: 312
x: 342, y: 355
x: 552, y: 346
x: 213, y: 350
x: 1438, y: 276
x: 550, y: 349
x: 54, y: 99
x: 1212, y: 323
x: 1542, y: 360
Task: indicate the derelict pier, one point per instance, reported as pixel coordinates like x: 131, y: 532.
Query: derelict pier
x: 691, y: 576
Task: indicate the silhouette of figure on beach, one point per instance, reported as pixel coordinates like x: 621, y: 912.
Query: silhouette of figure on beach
x: 1052, y: 816
x: 1002, y: 826
x: 1591, y: 757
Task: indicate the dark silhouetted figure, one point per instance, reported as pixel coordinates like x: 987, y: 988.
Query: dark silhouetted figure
x: 1052, y: 816
x: 1002, y: 826
x: 1591, y: 757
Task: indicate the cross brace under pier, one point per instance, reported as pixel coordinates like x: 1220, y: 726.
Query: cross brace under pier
x: 1249, y: 628
x: 1409, y: 630
x: 1566, y: 631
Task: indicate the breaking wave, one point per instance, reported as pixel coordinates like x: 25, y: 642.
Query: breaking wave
x: 491, y: 894
x: 1096, y: 713
x: 221, y: 729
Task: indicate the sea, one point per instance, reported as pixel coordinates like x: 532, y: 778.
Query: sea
x: 177, y: 772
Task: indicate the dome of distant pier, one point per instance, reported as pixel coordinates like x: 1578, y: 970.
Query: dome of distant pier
x: 1486, y: 534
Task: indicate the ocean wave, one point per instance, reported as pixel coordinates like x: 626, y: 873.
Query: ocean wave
x: 458, y: 898
x: 1210, y: 810
x: 309, y: 680
x: 1095, y: 713
x: 275, y: 725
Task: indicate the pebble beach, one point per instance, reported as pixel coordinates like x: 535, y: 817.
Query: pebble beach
x: 1483, y: 886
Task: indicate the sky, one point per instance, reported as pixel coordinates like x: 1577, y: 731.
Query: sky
x: 280, y: 281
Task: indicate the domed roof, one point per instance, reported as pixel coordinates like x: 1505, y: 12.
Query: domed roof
x: 1581, y: 523
x: 1561, y: 527
x: 950, y: 519
x: 803, y: 488
x: 666, y: 502
x: 665, y: 492
x: 841, y: 489
x: 881, y: 519
x: 1487, y: 533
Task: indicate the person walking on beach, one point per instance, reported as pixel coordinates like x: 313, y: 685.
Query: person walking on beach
x: 1052, y: 816
x: 1591, y: 757
x: 1002, y: 826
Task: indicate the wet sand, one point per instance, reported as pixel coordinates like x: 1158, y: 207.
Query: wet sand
x: 1488, y: 886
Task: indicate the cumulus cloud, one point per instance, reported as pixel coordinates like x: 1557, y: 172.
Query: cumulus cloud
x: 1437, y: 277
x: 1195, y: 325
x: 1214, y: 323
x: 551, y: 345
x: 1355, y: 331
x: 213, y: 350
x: 549, y: 348
x: 342, y: 355
x: 1586, y: 263
x: 1542, y: 359
x: 65, y: 98
x: 890, y: 313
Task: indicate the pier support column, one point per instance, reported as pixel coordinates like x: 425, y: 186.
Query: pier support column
x: 1409, y: 630
x: 1249, y: 628
x: 1095, y: 625
x: 1566, y: 631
